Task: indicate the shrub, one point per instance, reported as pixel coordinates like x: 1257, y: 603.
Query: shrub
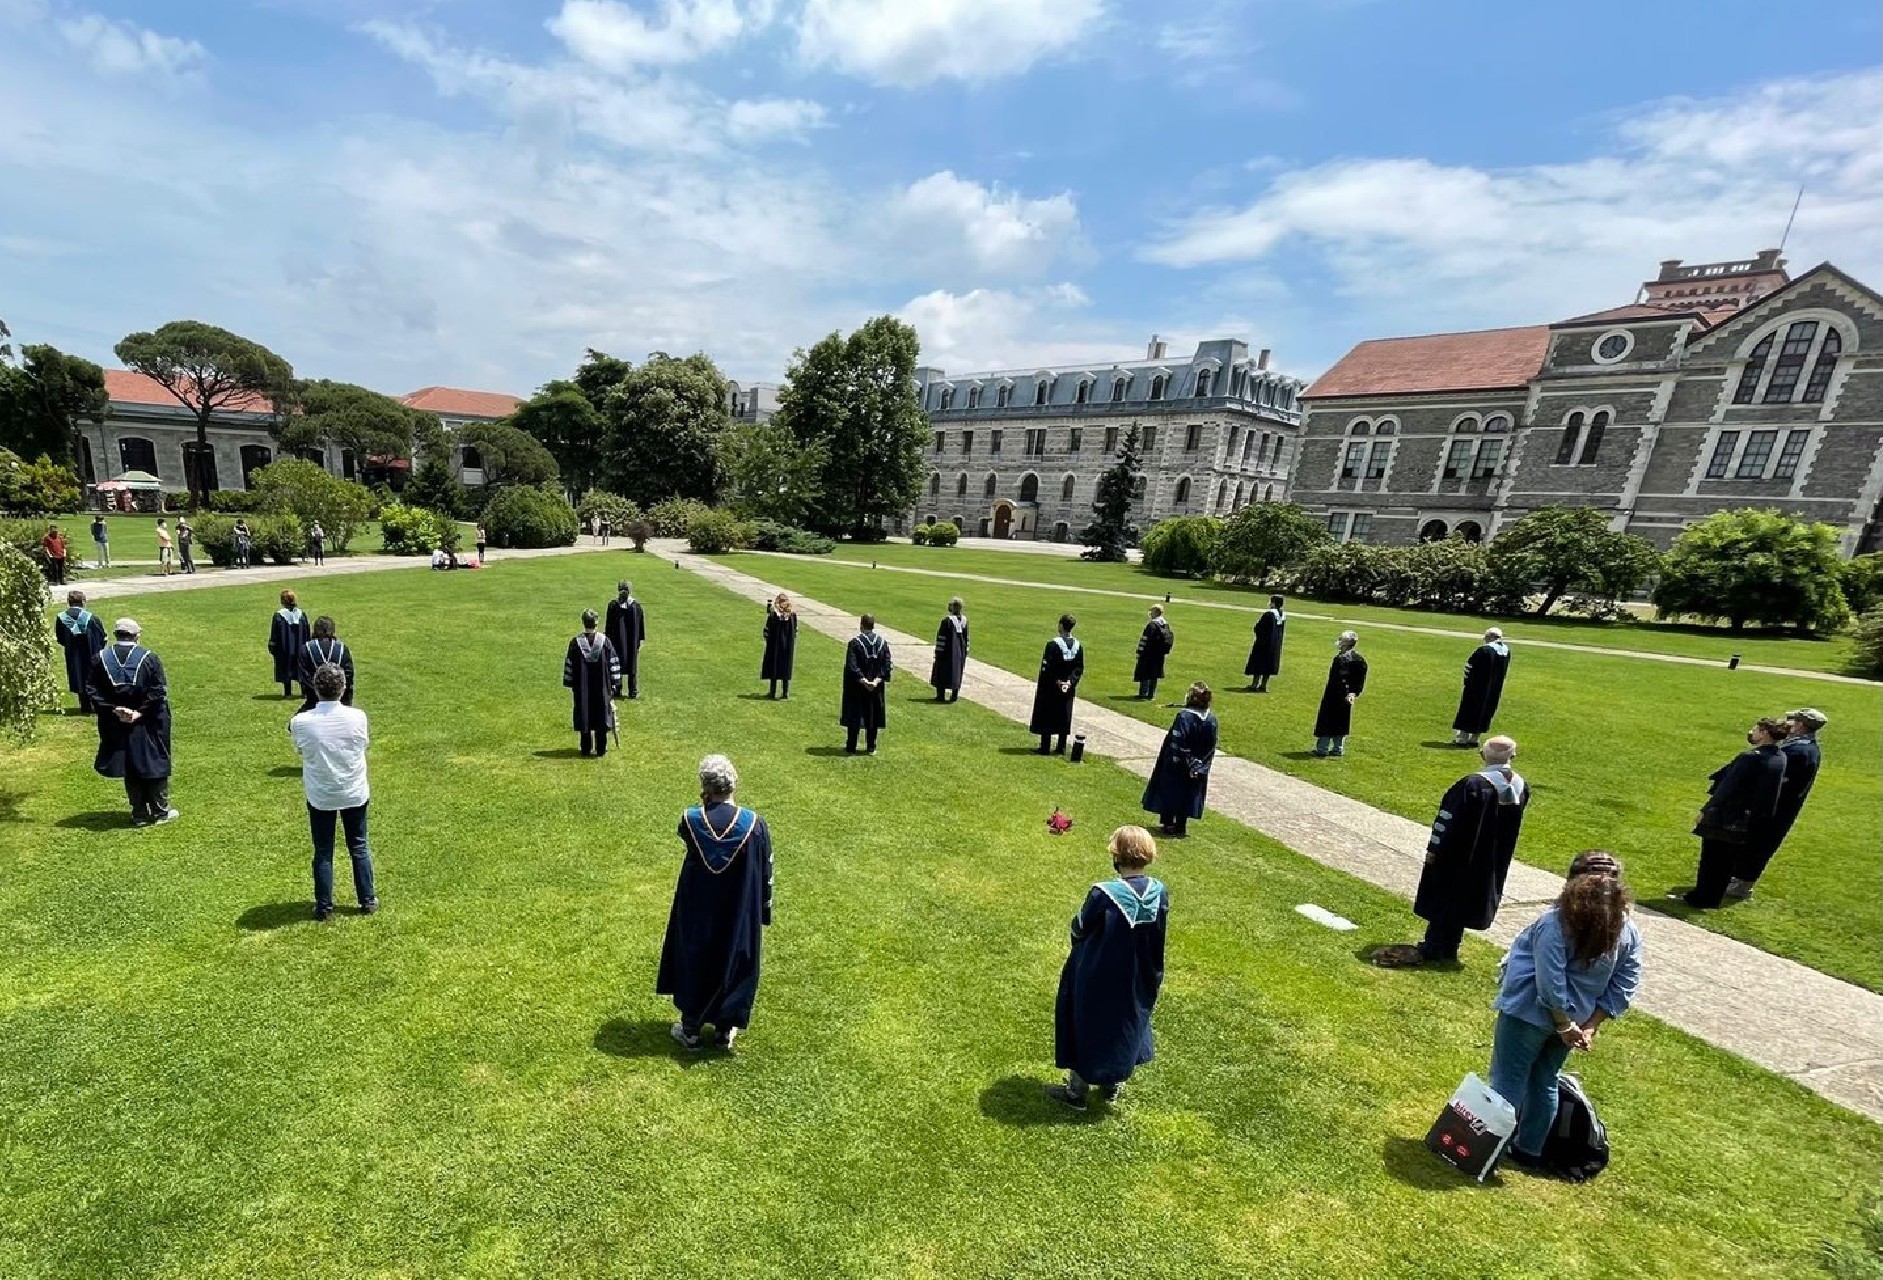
x: 413, y: 531
x: 638, y: 531
x: 672, y: 518
x: 1346, y: 571
x: 869, y: 533
x: 239, y: 502
x: 599, y: 503
x: 713, y: 532
x: 279, y: 538
x: 770, y: 535
x: 942, y: 533
x: 1182, y: 546
x: 1263, y: 539
x: 1862, y: 580
x: 27, y: 686
x: 1569, y: 550
x: 24, y: 535
x: 311, y: 493
x: 1751, y: 566
x: 530, y: 516
x: 434, y: 488
x: 918, y: 536
x: 1867, y: 650
x: 39, y: 488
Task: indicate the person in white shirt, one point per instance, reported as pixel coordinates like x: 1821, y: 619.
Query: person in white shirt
x: 332, y: 740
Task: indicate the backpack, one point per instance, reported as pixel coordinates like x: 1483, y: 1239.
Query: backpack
x: 1577, y: 1146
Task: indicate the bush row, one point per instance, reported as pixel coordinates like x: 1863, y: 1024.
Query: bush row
x: 280, y: 538
x: 713, y: 532
x: 942, y: 533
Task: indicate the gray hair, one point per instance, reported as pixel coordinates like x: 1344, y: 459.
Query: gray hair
x: 955, y: 605
x: 717, y: 777
x: 1350, y: 638
x: 1499, y: 750
x: 1494, y: 633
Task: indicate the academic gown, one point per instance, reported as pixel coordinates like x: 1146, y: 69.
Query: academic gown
x: 781, y: 645
x: 709, y: 962
x: 1062, y: 659
x: 82, y: 637
x: 131, y: 676
x: 1265, y: 653
x: 1156, y: 641
x: 288, y: 633
x: 626, y: 627
x: 951, y: 655
x: 318, y: 653
x: 1102, y: 1017
x: 1345, y: 675
x: 591, y: 671
x: 1180, y: 780
x: 865, y: 658
x: 1484, y: 687
x: 1468, y: 854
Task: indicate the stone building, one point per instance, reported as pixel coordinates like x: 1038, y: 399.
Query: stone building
x: 751, y: 401
x: 1017, y: 453
x: 1724, y: 385
x: 457, y: 408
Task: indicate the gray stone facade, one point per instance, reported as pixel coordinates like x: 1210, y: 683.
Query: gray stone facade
x: 1018, y: 453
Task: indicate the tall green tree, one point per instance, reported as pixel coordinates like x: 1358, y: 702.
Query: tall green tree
x: 433, y: 488
x: 352, y: 418
x: 509, y: 456
x: 1108, y: 536
x: 1564, y: 549
x: 769, y: 474
x: 567, y: 423
x: 1265, y: 537
x: 1753, y: 566
x: 598, y: 374
x: 43, y: 400
x: 209, y: 371
x: 664, y: 420
x: 856, y: 397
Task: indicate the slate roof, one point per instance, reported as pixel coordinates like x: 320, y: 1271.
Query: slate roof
x: 1483, y: 360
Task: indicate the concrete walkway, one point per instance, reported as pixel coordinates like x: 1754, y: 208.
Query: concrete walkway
x: 1823, y: 1033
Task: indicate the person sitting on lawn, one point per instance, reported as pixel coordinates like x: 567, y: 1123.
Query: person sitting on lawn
x: 325, y: 646
x: 709, y: 960
x: 82, y: 636
x: 591, y: 672
x: 1180, y: 780
x: 288, y: 634
x: 1102, y: 1017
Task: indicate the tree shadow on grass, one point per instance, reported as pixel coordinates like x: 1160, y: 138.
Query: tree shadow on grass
x: 1021, y: 1101
x: 285, y: 771
x: 101, y: 820
x: 1406, y: 1160
x: 10, y: 807
x: 650, y: 1038
x: 275, y: 915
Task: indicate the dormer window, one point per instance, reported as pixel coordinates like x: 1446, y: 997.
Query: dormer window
x: 1004, y: 396
x: 1157, y: 386
x: 974, y: 397
x: 1118, y: 389
x: 1085, y: 390
x: 1202, y: 384
x: 948, y: 397
x: 1776, y: 365
x: 1042, y: 391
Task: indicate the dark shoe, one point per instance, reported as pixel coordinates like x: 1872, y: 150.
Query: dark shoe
x: 684, y: 1038
x: 1043, y: 751
x: 1402, y: 955
x: 1740, y: 889
x: 1065, y: 1097
x: 723, y: 1040
x: 369, y: 907
x: 323, y: 914
x: 1109, y: 1093
x: 1522, y: 1159
x: 1060, y: 750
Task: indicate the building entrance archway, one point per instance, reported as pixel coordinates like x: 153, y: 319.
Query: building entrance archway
x: 1003, y: 519
x: 1433, y: 531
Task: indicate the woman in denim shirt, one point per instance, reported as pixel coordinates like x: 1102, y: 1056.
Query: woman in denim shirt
x: 1575, y: 967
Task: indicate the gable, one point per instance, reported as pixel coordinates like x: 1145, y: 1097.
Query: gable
x: 1824, y: 288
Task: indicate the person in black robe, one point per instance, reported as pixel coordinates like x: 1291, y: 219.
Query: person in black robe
x: 1102, y: 1017
x: 1180, y: 780
x: 1484, y: 688
x: 1154, y: 644
x: 1062, y: 666
x: 82, y: 636
x: 591, y: 671
x: 1740, y: 813
x: 288, y: 634
x: 709, y: 962
x: 627, y: 630
x: 781, y: 645
x: 323, y: 647
x: 1802, y: 758
x: 1467, y: 858
x: 951, y: 653
x: 1346, y: 680
x: 132, y: 699
x: 1265, y: 654
x: 866, y: 672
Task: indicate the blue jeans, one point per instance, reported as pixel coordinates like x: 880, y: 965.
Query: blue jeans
x: 1525, y: 1060
x: 1331, y: 746
x: 353, y: 821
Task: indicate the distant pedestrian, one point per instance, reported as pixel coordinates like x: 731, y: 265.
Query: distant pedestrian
x: 244, y: 543
x: 1062, y: 666
x: 1112, y: 976
x: 1180, y: 780
x: 1154, y: 645
x: 332, y: 739
x: 1740, y: 813
x: 317, y: 542
x: 54, y: 549
x: 1802, y: 758
x: 324, y: 647
x: 1485, y: 670
x: 164, y: 549
x: 781, y: 645
x: 481, y: 540
x: 186, y: 545
x: 1346, y: 680
x: 867, y: 669
x: 950, y: 667
x: 288, y: 634
x: 627, y: 631
x: 605, y: 529
x: 132, y: 699
x: 591, y: 672
x: 1265, y: 654
x: 101, y: 539
x: 82, y: 637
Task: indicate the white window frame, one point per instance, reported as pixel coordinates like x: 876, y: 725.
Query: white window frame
x: 1828, y: 321
x: 1743, y: 437
x: 1595, y: 348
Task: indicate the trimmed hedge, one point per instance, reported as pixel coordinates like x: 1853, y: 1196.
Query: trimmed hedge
x: 530, y: 516
x: 714, y: 532
x: 770, y: 535
x: 942, y: 533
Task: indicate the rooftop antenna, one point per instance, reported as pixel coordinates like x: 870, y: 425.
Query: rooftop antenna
x: 1794, y: 217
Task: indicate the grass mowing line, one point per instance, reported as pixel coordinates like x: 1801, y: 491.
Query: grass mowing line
x: 1617, y: 753
x: 197, y: 1083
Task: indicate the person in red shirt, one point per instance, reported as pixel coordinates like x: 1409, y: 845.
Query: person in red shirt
x: 53, y: 544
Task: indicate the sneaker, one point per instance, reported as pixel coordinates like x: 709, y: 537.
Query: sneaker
x: 684, y: 1038
x: 1737, y: 888
x: 1338, y: 751
x: 1065, y: 1097
x: 169, y: 815
x: 369, y: 907
x: 1110, y: 1093
x: 725, y: 1038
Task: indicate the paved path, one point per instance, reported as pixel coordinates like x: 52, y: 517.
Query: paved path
x: 1823, y: 1033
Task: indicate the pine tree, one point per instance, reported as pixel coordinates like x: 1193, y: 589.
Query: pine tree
x: 1107, y: 537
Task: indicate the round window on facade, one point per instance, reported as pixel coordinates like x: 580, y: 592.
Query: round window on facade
x: 1613, y: 346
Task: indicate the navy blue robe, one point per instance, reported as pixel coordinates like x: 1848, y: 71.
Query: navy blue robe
x: 781, y: 645
x: 1468, y: 853
x: 1102, y: 1018
x: 866, y: 657
x: 951, y: 655
x: 1156, y: 641
x: 288, y: 633
x: 82, y: 637
x: 1265, y: 653
x: 626, y: 627
x: 1345, y: 675
x: 709, y: 962
x: 1064, y: 659
x: 1180, y: 780
x: 1802, y: 758
x: 318, y: 653
x: 129, y: 675
x: 591, y: 671
x: 1484, y: 687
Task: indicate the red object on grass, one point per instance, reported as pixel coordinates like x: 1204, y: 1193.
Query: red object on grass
x: 1059, y: 823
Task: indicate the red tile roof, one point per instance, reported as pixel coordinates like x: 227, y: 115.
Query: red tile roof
x: 458, y: 403
x: 1485, y: 360
x: 122, y: 386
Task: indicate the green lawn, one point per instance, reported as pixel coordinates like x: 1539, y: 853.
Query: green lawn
x: 134, y: 544
x: 196, y: 1081
x: 1694, y: 641
x: 1618, y: 749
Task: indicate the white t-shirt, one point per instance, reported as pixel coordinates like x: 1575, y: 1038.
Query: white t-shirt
x: 332, y: 741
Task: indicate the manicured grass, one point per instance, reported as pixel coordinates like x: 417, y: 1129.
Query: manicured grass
x: 196, y: 1081
x: 134, y: 544
x: 1618, y: 749
x: 1764, y: 648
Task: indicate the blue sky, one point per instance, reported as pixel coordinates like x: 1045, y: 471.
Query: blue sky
x: 471, y: 192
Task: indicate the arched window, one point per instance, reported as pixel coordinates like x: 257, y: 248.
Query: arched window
x: 1496, y: 424
x: 1157, y: 386
x: 254, y: 458
x: 1183, y: 490
x: 1202, y: 383
x: 1825, y: 366
x: 1118, y: 389
x: 961, y: 485
x: 1385, y: 427
x: 138, y: 454
x: 1042, y: 391
x: 1755, y: 368
x: 974, y: 397
x: 1432, y: 531
x: 1592, y: 443
x: 1471, y: 531
x: 1237, y: 504
x: 1248, y: 444
x: 1065, y: 488
x: 1572, y: 432
x: 948, y: 398
x: 1222, y: 493
x: 1806, y: 344
x: 987, y: 489
x: 1465, y: 426
x: 1085, y: 390
x: 1360, y: 428
x: 1004, y: 396
x: 934, y: 484
x: 199, y: 466
x: 1029, y: 488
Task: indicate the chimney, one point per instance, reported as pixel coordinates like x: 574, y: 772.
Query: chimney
x: 1156, y: 349
x: 1261, y: 360
x: 1768, y: 260
x: 1670, y: 269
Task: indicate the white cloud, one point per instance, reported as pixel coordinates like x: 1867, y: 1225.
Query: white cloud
x: 907, y: 43
x: 773, y: 117
x: 944, y: 218
x: 119, y: 48
x: 619, y: 37
x: 1036, y: 328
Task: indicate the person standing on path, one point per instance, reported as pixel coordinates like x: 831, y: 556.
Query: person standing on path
x: 244, y: 543
x: 1573, y: 968
x: 332, y: 739
x: 867, y: 668
x: 1802, y: 758
x: 482, y: 540
x: 324, y: 647
x: 1180, y: 780
x: 132, y: 699
x: 1467, y: 858
x: 709, y: 960
x: 163, y: 548
x: 781, y: 644
x: 317, y: 542
x: 627, y: 631
x: 1485, y: 670
x: 288, y: 634
x: 186, y: 544
x: 591, y: 672
x: 82, y: 636
x: 1265, y: 653
x: 605, y: 529
x: 1740, y: 813
x: 1062, y: 666
x: 1346, y: 681
x: 1112, y: 976
x: 101, y: 539
x: 951, y: 653
x: 1154, y: 645
x: 54, y: 549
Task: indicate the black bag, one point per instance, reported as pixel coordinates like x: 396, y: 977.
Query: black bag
x: 1577, y: 1146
